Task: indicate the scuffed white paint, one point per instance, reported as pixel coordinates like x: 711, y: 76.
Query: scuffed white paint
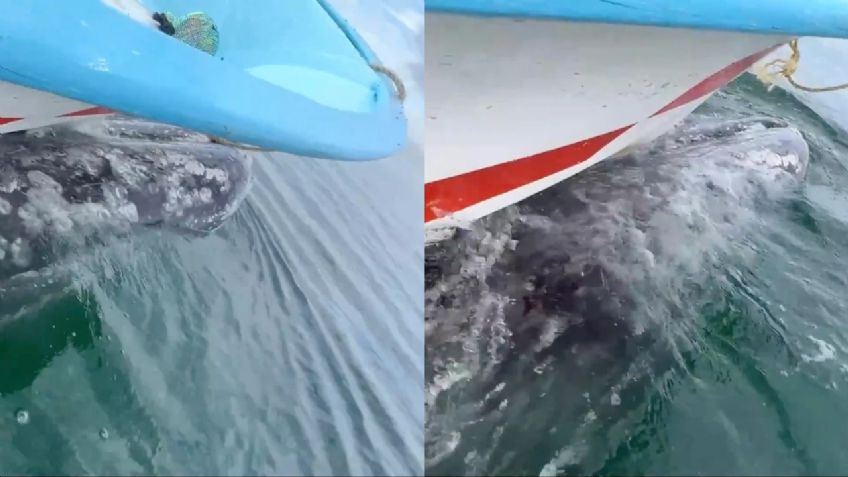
x: 133, y: 9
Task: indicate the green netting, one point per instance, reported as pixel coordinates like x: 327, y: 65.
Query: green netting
x: 196, y: 29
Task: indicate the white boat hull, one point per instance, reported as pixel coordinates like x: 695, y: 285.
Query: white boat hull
x: 23, y: 108
x: 516, y: 106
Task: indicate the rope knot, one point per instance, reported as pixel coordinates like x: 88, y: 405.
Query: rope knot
x: 770, y: 72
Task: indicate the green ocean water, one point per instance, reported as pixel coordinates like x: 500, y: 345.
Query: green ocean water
x: 278, y: 344
x: 748, y: 374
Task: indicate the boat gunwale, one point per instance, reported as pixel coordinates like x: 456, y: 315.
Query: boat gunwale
x: 253, y: 112
x: 769, y: 17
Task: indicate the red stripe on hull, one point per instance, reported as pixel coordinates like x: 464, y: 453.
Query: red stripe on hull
x: 8, y: 120
x: 88, y: 112
x: 715, y: 81
x: 446, y: 196
x: 458, y: 192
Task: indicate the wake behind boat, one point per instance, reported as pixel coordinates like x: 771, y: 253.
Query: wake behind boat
x: 291, y: 76
x: 523, y: 94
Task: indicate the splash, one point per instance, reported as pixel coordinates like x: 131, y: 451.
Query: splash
x: 597, y: 275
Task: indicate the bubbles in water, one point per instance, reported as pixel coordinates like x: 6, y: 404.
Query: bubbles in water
x: 826, y: 352
x: 442, y: 448
x: 615, y: 399
x: 548, y: 470
x: 104, y: 434
x: 22, y: 416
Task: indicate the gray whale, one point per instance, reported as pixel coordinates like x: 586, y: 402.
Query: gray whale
x: 69, y: 187
x: 580, y: 275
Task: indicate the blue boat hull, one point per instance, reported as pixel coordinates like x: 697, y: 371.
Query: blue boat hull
x: 789, y: 17
x: 289, y: 76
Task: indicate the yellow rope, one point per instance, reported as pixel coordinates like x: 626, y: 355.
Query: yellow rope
x: 245, y: 147
x: 400, y: 89
x: 769, y: 72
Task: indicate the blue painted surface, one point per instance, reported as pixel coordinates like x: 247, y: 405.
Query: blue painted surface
x: 289, y: 75
x: 793, y: 17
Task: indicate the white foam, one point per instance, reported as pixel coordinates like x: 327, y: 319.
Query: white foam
x: 444, y: 448
x: 826, y: 352
x: 615, y: 399
x: 21, y: 252
x: 5, y: 207
x: 568, y: 455
x: 445, y: 381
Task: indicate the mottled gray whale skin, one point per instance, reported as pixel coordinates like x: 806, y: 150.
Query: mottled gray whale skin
x: 585, y: 263
x: 582, y: 278
x: 65, y: 188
